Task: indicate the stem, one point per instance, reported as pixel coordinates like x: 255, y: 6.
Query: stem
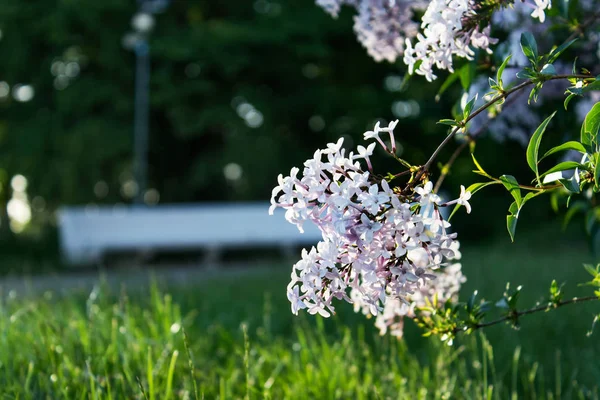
x: 516, y: 314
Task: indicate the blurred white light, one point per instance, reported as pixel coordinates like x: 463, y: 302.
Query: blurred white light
x: 142, y: 22
x: 61, y: 82
x: 192, y: 70
x: 244, y: 108
x: 129, y: 188
x: 101, y: 189
x: 393, y: 83
x: 401, y: 109
x: 254, y: 119
x: 151, y: 197
x: 232, y: 171
x: 72, y: 69
x: 57, y: 68
x: 18, y: 210
x: 415, y: 108
x: 316, y: 123
x: 18, y: 183
x: 23, y: 93
x: 175, y: 327
x: 4, y: 89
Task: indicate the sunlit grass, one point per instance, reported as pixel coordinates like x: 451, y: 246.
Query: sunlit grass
x: 242, y: 342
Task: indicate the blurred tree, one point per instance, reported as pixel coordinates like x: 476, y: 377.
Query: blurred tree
x: 240, y: 92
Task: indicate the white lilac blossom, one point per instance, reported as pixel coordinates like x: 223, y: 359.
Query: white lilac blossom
x: 381, y: 26
x: 539, y: 9
x: 449, y: 28
x: 444, y: 37
x: 383, y: 249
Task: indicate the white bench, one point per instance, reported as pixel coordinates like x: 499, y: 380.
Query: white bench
x: 88, y: 233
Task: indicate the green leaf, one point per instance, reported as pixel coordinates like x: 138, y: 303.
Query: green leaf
x: 590, y: 126
x: 450, y: 122
x: 527, y: 73
x: 571, y: 184
x: 529, y: 47
x: 515, y: 209
x: 511, y: 225
x: 501, y: 70
x: 597, y: 171
x: 511, y: 184
x: 563, y: 166
x: 548, y: 69
x: 480, y: 170
x: 554, y: 54
x: 534, y: 146
x: 533, y: 95
x: 469, y: 107
x: 571, y: 145
x: 568, y: 100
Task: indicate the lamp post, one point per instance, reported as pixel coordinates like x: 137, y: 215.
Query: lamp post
x: 142, y: 24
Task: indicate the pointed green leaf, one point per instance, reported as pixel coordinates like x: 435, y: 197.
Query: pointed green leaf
x: 589, y: 128
x: 527, y: 73
x: 572, y: 145
x: 534, y: 146
x: 450, y: 122
x: 480, y: 170
x: 568, y: 100
x: 529, y: 47
x: 511, y: 184
x: 563, y: 166
x: 554, y: 54
x: 571, y: 184
x: 511, y: 225
x: 469, y: 107
x: 548, y: 69
x: 501, y: 69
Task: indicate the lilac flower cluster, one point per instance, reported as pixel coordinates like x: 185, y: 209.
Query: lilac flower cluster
x: 381, y: 26
x: 383, y: 249
x: 449, y: 28
x: 444, y: 37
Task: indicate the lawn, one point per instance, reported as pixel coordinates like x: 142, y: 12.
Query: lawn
x: 233, y: 336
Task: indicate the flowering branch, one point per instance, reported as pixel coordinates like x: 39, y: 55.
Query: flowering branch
x: 484, y: 107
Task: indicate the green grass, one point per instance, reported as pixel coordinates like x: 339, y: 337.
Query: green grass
x: 241, y: 341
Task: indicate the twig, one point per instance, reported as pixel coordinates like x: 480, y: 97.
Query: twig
x: 516, y: 314
x: 579, y: 30
x: 470, y: 137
